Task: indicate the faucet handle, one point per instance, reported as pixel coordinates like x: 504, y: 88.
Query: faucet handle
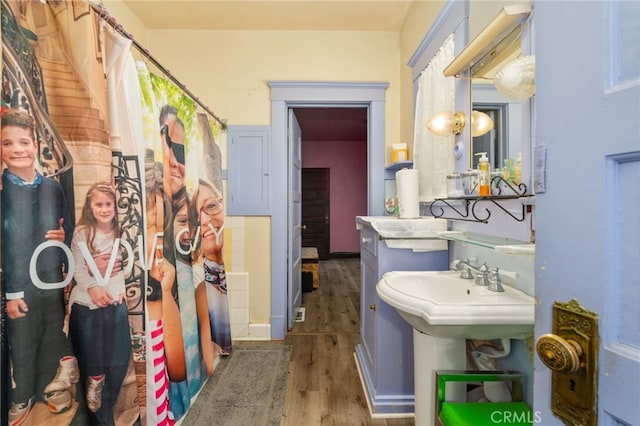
x: 466, y: 274
x: 458, y: 264
x: 483, y: 275
x: 495, y: 284
x: 462, y: 265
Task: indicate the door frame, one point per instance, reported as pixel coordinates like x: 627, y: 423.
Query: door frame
x: 292, y: 94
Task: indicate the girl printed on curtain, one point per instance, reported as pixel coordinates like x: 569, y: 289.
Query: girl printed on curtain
x: 112, y: 229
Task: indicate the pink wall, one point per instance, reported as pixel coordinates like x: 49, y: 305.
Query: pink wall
x: 347, y: 162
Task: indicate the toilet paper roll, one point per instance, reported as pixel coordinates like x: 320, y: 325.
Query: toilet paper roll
x: 407, y: 193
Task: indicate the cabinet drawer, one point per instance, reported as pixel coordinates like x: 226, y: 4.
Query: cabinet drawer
x: 368, y: 242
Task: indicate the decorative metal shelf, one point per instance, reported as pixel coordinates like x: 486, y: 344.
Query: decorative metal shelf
x: 469, y: 209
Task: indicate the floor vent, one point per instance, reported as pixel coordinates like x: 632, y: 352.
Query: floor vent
x: 300, y: 315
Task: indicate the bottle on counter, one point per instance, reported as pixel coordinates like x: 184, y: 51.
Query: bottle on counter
x: 470, y: 182
x: 484, y: 175
x: 498, y: 181
x: 454, y: 186
x: 509, y: 170
x: 517, y: 170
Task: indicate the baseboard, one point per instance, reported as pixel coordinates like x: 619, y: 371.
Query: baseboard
x: 257, y: 332
x: 343, y: 255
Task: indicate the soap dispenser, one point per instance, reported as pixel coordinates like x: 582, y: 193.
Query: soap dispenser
x: 484, y: 175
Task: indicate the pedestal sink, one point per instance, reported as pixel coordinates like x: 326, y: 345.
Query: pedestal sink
x: 442, y: 304
x: 444, y: 310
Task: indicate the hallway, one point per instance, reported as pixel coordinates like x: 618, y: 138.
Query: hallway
x: 324, y: 387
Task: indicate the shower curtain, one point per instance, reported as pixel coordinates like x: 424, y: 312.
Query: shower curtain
x: 122, y: 235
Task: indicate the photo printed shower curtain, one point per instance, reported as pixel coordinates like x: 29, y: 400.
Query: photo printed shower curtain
x: 113, y: 287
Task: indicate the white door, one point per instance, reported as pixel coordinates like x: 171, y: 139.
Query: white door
x: 294, y: 288
x: 588, y: 221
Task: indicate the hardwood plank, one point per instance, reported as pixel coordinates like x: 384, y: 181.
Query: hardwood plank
x: 324, y: 387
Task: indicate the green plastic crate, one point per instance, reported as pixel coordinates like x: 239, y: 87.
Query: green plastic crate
x: 515, y: 412
x: 486, y: 414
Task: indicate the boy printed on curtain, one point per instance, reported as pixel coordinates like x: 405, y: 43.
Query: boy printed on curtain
x: 36, y: 225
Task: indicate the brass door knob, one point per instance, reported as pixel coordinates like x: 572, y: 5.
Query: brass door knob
x: 559, y: 354
x: 372, y: 306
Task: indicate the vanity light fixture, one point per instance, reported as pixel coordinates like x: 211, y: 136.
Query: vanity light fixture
x: 490, y: 42
x: 447, y: 123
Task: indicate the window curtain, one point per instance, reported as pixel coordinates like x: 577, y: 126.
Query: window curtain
x: 433, y: 154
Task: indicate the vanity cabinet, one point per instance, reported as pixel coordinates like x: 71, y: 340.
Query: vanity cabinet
x: 385, y: 353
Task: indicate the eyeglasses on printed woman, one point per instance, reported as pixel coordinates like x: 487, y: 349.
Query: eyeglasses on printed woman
x: 212, y: 206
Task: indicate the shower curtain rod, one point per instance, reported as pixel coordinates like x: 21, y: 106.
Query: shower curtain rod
x: 103, y: 13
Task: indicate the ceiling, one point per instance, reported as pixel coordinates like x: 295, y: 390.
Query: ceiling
x: 317, y: 124
x: 332, y: 124
x: 284, y: 15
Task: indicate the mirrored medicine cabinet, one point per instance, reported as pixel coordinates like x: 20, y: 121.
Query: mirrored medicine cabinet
x: 496, y: 31
x: 501, y: 36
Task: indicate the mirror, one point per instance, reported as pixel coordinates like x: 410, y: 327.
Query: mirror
x: 495, y: 31
x: 505, y: 140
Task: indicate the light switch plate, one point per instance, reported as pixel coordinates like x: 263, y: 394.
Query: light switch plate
x: 539, y: 168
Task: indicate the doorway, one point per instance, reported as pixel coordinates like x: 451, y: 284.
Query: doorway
x: 334, y: 138
x: 286, y: 95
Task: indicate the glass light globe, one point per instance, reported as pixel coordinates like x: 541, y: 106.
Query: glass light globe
x: 446, y: 123
x: 481, y: 123
x: 516, y: 80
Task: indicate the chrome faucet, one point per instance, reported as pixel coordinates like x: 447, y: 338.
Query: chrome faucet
x: 484, y: 275
x: 482, y: 271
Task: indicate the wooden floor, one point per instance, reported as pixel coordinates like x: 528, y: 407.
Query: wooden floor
x: 324, y: 387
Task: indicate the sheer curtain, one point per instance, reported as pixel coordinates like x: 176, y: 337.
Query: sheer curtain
x: 433, y: 155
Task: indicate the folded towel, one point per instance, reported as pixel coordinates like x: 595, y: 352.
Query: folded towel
x: 482, y: 357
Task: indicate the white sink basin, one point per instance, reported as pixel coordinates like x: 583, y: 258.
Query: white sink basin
x: 441, y: 304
